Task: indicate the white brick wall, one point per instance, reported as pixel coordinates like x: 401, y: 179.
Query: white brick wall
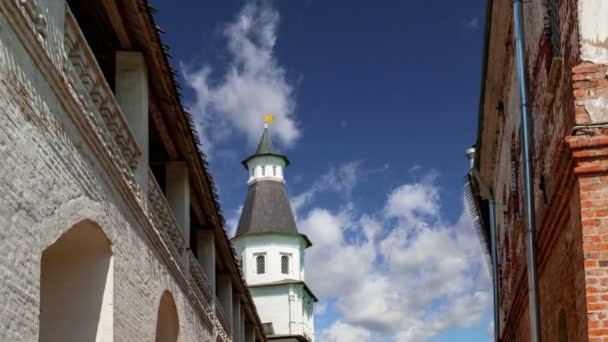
x: 51, y: 179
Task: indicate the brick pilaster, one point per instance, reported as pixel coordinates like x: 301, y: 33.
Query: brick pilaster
x: 591, y: 167
x: 589, y: 145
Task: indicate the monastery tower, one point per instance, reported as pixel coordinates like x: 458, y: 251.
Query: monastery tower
x: 272, y: 250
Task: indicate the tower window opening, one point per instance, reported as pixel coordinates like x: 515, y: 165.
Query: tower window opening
x: 263, y: 171
x: 260, y: 261
x: 274, y: 170
x: 285, y: 264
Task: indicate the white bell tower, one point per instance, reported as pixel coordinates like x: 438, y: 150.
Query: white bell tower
x: 272, y: 250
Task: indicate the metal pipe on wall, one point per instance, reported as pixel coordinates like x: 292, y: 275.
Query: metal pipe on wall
x: 518, y: 17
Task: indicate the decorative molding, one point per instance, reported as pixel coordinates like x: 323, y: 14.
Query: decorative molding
x: 590, y: 151
x: 201, y: 289
x: 221, y: 316
x: 89, y: 87
x: 162, y: 218
x: 34, y: 17
x: 200, y: 280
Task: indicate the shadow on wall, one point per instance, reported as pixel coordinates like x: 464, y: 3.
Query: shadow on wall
x: 76, y: 287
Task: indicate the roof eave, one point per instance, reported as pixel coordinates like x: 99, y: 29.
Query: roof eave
x: 482, y: 91
x: 245, y: 161
x: 199, y: 161
x: 303, y: 236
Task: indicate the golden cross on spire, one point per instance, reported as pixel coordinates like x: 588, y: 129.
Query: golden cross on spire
x: 268, y: 119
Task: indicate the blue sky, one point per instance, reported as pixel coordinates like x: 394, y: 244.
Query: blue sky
x: 374, y: 106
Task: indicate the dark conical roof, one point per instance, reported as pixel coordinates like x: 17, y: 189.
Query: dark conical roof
x: 265, y: 148
x: 267, y: 210
x: 265, y: 145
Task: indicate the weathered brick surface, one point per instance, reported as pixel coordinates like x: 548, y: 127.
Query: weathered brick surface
x: 590, y: 84
x: 570, y: 180
x: 591, y: 164
x: 50, y: 180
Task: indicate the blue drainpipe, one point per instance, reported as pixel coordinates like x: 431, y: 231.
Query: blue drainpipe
x: 518, y: 17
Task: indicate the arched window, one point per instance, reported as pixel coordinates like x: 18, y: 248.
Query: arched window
x: 260, y: 261
x: 263, y: 170
x: 285, y: 264
x: 562, y: 326
x: 167, y: 323
x: 274, y: 170
x: 76, y: 287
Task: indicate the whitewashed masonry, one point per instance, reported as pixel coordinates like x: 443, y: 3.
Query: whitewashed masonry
x: 110, y: 227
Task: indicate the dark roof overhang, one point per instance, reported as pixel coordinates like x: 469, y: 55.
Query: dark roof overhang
x: 266, y: 210
x: 484, y: 71
x: 245, y: 161
x: 303, y: 236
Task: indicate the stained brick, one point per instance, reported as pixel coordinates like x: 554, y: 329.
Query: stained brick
x: 572, y: 206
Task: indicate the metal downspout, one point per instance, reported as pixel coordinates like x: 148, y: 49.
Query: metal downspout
x: 526, y: 136
x: 493, y: 249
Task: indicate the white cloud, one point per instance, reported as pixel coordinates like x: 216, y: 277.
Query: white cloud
x: 414, y: 203
x: 253, y: 84
x: 233, y: 221
x: 341, y: 180
x: 344, y: 332
x: 399, y: 272
x: 332, y: 256
x: 320, y: 308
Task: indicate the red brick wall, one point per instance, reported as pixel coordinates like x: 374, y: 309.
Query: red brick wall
x: 563, y: 265
x: 591, y: 162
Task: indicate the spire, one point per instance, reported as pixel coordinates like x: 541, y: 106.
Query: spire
x: 265, y: 145
x: 265, y: 148
x: 267, y: 208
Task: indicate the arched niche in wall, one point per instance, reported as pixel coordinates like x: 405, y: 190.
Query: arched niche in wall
x: 76, y: 287
x: 167, y: 322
